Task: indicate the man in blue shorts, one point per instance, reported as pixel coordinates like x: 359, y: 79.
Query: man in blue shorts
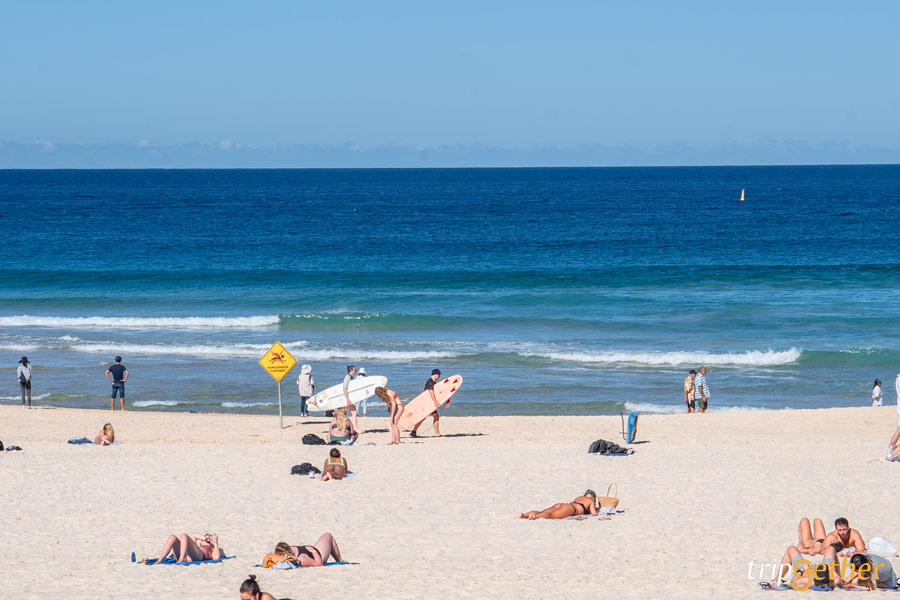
x: 119, y: 375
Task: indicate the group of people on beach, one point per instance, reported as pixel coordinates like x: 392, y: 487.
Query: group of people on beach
x: 117, y: 375
x: 696, y: 391
x: 839, y: 559
x: 344, y: 425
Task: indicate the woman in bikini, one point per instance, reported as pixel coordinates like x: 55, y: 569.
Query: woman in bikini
x: 106, y: 436
x: 585, y: 504
x: 395, y: 407
x: 335, y: 466
x: 316, y: 555
x: 196, y: 547
x: 341, y: 427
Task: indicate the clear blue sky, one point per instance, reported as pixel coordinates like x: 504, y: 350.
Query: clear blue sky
x: 670, y: 80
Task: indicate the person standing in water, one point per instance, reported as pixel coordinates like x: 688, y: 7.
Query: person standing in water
x: 119, y: 377
x: 429, y: 387
x: 23, y: 376
x: 306, y: 386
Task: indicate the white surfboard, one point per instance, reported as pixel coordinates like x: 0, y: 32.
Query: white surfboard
x: 358, y: 390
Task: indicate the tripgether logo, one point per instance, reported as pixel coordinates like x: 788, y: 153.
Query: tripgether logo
x: 807, y: 573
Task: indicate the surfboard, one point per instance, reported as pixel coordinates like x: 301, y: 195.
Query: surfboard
x: 421, y: 406
x: 359, y: 389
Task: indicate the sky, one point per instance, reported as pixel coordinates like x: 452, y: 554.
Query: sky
x: 301, y: 83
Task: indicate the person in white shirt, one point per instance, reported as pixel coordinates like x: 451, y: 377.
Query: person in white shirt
x: 306, y: 386
x: 877, y: 399
x: 361, y: 372
x: 891, y: 453
x: 23, y: 376
x: 350, y: 376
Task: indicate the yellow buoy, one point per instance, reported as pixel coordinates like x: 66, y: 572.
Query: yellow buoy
x: 742, y: 195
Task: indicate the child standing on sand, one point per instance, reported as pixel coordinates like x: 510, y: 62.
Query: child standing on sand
x: 877, y: 399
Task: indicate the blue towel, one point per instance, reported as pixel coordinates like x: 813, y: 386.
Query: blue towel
x: 292, y: 565
x: 171, y: 561
x: 82, y: 440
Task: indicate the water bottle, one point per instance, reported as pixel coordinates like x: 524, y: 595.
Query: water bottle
x: 132, y: 557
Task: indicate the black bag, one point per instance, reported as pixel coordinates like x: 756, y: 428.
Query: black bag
x: 304, y: 469
x: 311, y: 439
x: 604, y: 447
x: 22, y: 379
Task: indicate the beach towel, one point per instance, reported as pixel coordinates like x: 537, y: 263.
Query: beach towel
x: 287, y: 565
x: 171, y: 561
x: 82, y: 440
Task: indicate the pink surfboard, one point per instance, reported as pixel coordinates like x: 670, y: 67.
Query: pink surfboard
x: 421, y: 406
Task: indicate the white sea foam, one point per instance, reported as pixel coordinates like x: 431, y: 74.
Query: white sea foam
x: 235, y: 350
x: 142, y: 322
x: 674, y: 408
x: 141, y: 403
x: 246, y: 404
x: 19, y: 398
x: 758, y: 358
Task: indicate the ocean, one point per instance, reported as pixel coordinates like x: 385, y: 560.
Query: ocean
x: 551, y: 291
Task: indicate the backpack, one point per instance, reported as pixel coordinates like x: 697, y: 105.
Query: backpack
x: 311, y: 439
x: 304, y: 469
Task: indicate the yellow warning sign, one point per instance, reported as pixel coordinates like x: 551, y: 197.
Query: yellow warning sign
x: 277, y: 361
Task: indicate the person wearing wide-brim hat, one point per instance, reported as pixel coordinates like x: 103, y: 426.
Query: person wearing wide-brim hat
x: 306, y: 385
x: 23, y: 376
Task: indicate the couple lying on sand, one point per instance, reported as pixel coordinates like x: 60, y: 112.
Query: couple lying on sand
x: 199, y: 547
x: 863, y: 572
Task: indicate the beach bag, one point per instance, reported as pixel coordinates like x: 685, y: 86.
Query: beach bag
x: 607, y: 500
x: 604, y: 447
x: 304, y: 469
x: 22, y: 379
x: 271, y: 559
x: 311, y: 439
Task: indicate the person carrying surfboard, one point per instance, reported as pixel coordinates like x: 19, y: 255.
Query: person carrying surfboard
x: 429, y: 387
x: 350, y: 376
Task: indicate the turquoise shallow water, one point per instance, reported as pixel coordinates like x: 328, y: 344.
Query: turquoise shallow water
x: 560, y: 291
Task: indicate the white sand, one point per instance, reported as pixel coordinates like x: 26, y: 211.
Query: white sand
x: 704, y: 495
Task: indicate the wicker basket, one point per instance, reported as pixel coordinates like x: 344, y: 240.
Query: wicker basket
x: 608, y: 500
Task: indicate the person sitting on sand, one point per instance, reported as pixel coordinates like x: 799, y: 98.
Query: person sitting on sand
x: 582, y: 505
x: 395, y: 408
x: 106, y: 436
x: 335, y: 466
x: 316, y: 555
x: 194, y: 547
x: 250, y: 590
x: 341, y: 427
x: 871, y: 572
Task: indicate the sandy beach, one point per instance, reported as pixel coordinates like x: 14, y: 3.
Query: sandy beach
x: 704, y: 495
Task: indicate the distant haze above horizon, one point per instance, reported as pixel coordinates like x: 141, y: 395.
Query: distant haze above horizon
x: 405, y: 84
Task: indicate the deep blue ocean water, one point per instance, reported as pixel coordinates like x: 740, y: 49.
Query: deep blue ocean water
x: 563, y: 291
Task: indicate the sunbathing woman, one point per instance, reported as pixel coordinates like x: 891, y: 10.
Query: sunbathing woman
x: 335, y: 466
x: 316, y: 555
x: 341, y: 428
x: 582, y: 505
x: 106, y: 436
x: 195, y: 547
x: 250, y: 590
x: 395, y: 407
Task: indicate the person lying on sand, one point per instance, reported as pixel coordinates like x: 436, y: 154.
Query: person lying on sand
x: 341, y: 427
x: 250, y: 590
x: 316, y: 555
x: 818, y: 543
x: 106, y: 436
x: 335, y: 466
x: 195, y: 547
x: 871, y: 572
x: 582, y: 505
